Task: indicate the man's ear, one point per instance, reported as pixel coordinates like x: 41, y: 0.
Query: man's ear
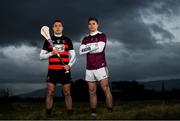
x: 97, y: 25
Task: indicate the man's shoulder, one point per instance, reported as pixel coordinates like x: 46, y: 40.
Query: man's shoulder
x: 102, y: 37
x: 101, y: 34
x: 66, y: 37
x: 98, y: 34
x: 86, y: 37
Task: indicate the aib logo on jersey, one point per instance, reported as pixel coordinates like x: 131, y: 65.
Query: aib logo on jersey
x: 60, y: 47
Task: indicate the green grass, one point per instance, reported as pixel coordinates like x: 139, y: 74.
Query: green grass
x: 156, y: 109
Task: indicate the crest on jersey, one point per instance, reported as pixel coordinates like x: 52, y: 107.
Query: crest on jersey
x: 58, y: 41
x: 91, y: 38
x: 63, y: 41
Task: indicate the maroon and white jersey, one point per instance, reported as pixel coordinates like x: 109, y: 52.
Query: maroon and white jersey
x: 94, y: 46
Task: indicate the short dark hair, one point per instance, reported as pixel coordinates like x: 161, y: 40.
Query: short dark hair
x: 57, y: 20
x: 93, y: 19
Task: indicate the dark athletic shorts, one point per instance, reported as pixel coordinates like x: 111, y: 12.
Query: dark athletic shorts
x: 58, y: 76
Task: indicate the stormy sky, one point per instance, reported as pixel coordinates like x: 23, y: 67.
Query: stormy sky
x: 143, y: 38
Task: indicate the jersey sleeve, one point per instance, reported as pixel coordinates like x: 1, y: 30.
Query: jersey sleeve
x: 46, y: 46
x: 45, y: 51
x: 83, y: 41
x: 70, y: 45
x: 87, y: 47
x: 101, y: 44
x: 103, y: 38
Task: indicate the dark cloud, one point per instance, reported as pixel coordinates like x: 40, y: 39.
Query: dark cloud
x: 133, y: 51
x: 2, y: 55
x: 143, y: 65
x: 21, y: 20
x: 166, y: 34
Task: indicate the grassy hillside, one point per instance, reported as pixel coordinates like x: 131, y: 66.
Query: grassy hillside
x: 122, y: 110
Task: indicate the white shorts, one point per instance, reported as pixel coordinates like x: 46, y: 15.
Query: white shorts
x: 99, y: 74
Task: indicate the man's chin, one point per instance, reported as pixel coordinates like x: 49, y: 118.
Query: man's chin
x: 58, y: 33
x: 93, y: 30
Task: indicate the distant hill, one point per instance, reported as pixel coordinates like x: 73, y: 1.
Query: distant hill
x: 155, y: 85
x: 41, y: 93
x: 158, y: 84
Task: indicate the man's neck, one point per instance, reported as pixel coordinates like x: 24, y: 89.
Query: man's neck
x: 94, y: 33
x: 57, y: 35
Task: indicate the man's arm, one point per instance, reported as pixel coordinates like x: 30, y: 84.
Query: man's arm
x: 71, y: 53
x: 73, y: 57
x: 44, y: 54
x: 101, y: 46
x: 45, y: 51
x: 86, y: 48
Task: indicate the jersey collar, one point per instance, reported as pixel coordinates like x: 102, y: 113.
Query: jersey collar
x: 58, y: 35
x: 94, y: 33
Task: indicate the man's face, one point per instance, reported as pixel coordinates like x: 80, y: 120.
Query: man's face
x: 92, y: 26
x: 57, y: 28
